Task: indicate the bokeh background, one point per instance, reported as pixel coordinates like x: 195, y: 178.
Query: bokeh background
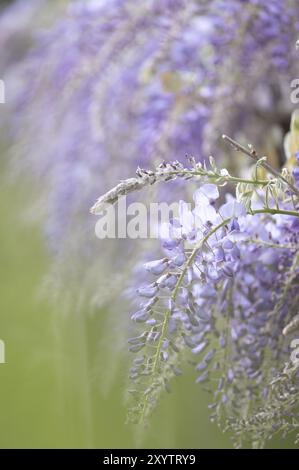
x: 51, y: 390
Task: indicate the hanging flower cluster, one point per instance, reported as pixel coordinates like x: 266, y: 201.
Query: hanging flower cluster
x: 223, y: 295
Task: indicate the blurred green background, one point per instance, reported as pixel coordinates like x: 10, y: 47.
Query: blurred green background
x: 50, y: 393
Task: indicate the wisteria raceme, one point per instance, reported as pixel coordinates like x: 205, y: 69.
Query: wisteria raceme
x: 115, y: 84
x: 225, y: 294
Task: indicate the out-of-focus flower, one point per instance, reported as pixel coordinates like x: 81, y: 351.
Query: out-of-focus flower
x: 19, y: 22
x: 118, y: 83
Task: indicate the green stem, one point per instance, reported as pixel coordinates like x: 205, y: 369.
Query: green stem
x: 260, y: 242
x: 252, y: 154
x: 275, y: 211
x: 226, y: 178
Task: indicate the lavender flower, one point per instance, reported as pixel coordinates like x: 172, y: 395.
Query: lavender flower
x: 236, y: 284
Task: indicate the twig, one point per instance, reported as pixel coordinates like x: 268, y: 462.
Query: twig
x: 253, y: 154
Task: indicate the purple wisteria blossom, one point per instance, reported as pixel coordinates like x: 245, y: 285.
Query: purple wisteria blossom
x: 115, y: 84
x: 225, y: 289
